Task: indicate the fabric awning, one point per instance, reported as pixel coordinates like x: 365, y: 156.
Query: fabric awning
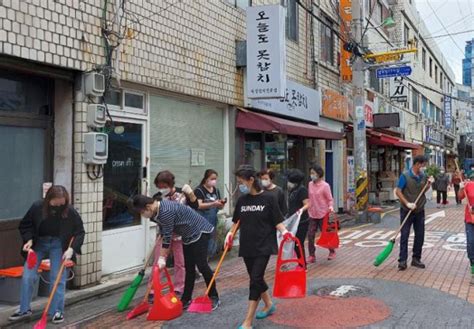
x: 378, y: 138
x: 267, y: 123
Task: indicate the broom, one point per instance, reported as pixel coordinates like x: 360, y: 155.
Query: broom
x: 130, y: 292
x: 203, y: 303
x: 41, y: 324
x: 388, y: 249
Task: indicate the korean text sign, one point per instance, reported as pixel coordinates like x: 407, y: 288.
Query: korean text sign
x: 266, y: 52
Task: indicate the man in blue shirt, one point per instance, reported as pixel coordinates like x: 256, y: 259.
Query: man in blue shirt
x: 411, y: 184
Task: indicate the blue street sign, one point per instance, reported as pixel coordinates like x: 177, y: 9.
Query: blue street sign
x: 400, y: 71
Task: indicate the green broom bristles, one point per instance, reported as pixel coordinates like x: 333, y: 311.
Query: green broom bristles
x: 130, y: 292
x: 384, y: 254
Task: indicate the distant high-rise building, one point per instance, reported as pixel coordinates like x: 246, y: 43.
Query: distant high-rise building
x: 468, y: 64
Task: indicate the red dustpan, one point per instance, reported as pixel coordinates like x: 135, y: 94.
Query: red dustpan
x: 329, y: 237
x: 290, y: 282
x: 166, y: 306
x: 141, y: 308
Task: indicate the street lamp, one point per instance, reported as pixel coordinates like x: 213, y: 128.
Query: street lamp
x: 388, y: 23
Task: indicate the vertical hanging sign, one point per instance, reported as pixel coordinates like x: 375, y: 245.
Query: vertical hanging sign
x: 344, y: 28
x: 266, y: 52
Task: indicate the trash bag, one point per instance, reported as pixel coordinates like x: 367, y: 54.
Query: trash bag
x: 291, y: 224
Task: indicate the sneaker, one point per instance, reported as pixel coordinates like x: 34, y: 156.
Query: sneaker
x: 402, y: 266
x: 215, y: 303
x: 19, y: 315
x: 58, y: 317
x: 416, y: 262
x: 186, y: 304
x: 332, y: 255
x: 311, y: 259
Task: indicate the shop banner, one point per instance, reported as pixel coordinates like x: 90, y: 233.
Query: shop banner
x: 434, y: 136
x: 344, y: 28
x: 369, y: 113
x: 447, y: 112
x: 266, y: 52
x: 335, y: 105
x: 398, y: 89
x: 299, y: 102
x: 350, y: 182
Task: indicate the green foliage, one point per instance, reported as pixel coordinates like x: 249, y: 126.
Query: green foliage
x: 432, y: 170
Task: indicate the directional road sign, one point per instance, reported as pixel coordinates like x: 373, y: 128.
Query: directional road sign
x: 400, y: 71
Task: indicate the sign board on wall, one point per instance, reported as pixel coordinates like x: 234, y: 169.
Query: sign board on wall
x: 398, y: 89
x: 369, y: 113
x: 299, y: 102
x: 344, y: 28
x: 266, y: 52
x: 335, y: 105
x: 447, y: 112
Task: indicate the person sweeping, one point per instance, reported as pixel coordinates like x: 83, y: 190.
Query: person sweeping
x: 410, y: 184
x: 259, y: 216
x: 467, y: 191
x: 177, y: 219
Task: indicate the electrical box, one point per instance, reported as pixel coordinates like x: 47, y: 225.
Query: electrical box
x: 96, y: 115
x: 94, y: 84
x: 96, y: 148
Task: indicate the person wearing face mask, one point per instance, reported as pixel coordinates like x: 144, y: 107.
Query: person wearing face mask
x: 47, y: 229
x: 210, y: 203
x: 259, y: 216
x: 266, y: 179
x: 165, y: 183
x: 176, y: 219
x: 467, y: 191
x: 297, y: 199
x: 320, y: 204
x: 441, y: 186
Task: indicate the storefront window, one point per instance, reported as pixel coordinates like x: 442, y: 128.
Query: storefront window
x: 122, y: 175
x: 253, y: 150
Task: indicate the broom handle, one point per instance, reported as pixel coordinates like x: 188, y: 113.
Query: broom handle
x: 56, y: 282
x: 150, y: 256
x: 409, y: 213
x: 226, y: 249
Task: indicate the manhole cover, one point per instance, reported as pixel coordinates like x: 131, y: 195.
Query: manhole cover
x: 343, y: 291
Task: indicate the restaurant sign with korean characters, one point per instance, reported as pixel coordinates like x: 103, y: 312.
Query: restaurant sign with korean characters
x: 266, y: 52
x: 299, y: 102
x: 335, y: 105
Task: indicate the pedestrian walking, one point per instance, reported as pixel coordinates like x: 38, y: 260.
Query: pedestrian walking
x: 210, y: 202
x: 47, y: 229
x: 321, y: 203
x: 410, y: 184
x: 441, y: 186
x: 297, y: 199
x: 266, y: 178
x: 456, y: 181
x: 467, y: 191
x: 259, y: 216
x: 176, y: 219
x: 165, y: 183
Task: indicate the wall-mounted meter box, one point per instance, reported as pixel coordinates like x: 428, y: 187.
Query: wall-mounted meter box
x: 94, y: 84
x: 96, y: 115
x: 96, y: 146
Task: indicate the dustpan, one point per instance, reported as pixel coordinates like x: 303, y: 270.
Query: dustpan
x: 290, y: 274
x: 166, y: 305
x: 329, y: 237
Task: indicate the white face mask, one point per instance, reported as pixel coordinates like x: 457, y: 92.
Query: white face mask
x: 212, y: 182
x: 266, y: 182
x: 291, y: 185
x: 164, y: 191
x: 314, y: 177
x: 422, y: 170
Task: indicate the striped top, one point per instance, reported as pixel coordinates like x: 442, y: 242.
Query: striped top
x: 179, y: 219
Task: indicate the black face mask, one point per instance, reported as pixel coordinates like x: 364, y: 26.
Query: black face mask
x: 56, y: 210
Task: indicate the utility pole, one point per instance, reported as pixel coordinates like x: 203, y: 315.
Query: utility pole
x: 360, y: 141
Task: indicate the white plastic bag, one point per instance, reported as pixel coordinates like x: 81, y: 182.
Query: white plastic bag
x: 291, y: 224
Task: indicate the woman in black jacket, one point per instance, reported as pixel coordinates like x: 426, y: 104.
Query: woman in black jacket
x: 47, y: 228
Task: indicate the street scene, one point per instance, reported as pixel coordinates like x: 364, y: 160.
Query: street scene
x: 236, y: 164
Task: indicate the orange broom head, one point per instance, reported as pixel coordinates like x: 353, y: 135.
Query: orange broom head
x: 41, y: 324
x: 140, y: 309
x: 201, y: 304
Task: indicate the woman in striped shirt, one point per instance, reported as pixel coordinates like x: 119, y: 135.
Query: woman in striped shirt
x: 195, y: 230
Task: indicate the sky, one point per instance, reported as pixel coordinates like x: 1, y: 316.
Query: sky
x: 456, y: 16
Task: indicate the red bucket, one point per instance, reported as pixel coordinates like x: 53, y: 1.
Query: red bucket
x: 166, y: 306
x: 329, y: 237
x: 290, y: 283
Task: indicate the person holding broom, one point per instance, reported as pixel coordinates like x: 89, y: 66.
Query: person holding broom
x: 46, y: 230
x: 411, y: 185
x: 176, y: 219
x: 259, y: 216
x: 467, y: 191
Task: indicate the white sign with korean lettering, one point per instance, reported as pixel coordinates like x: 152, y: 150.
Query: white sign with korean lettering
x: 266, y: 52
x: 398, y: 90
x: 299, y: 102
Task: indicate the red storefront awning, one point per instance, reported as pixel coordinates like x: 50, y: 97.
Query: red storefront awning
x: 378, y: 138
x: 267, y: 123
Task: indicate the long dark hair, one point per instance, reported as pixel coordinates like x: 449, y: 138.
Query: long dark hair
x: 139, y: 202
x: 246, y: 172
x: 56, y: 192
x: 208, y: 173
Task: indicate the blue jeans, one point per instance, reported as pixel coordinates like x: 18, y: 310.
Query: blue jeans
x: 470, y: 242
x: 44, y: 247
x: 211, y: 216
x: 418, y: 222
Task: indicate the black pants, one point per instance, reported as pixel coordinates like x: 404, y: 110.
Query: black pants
x: 456, y: 191
x: 440, y: 194
x: 418, y: 222
x: 195, y: 254
x: 256, y: 267
x: 301, y: 235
